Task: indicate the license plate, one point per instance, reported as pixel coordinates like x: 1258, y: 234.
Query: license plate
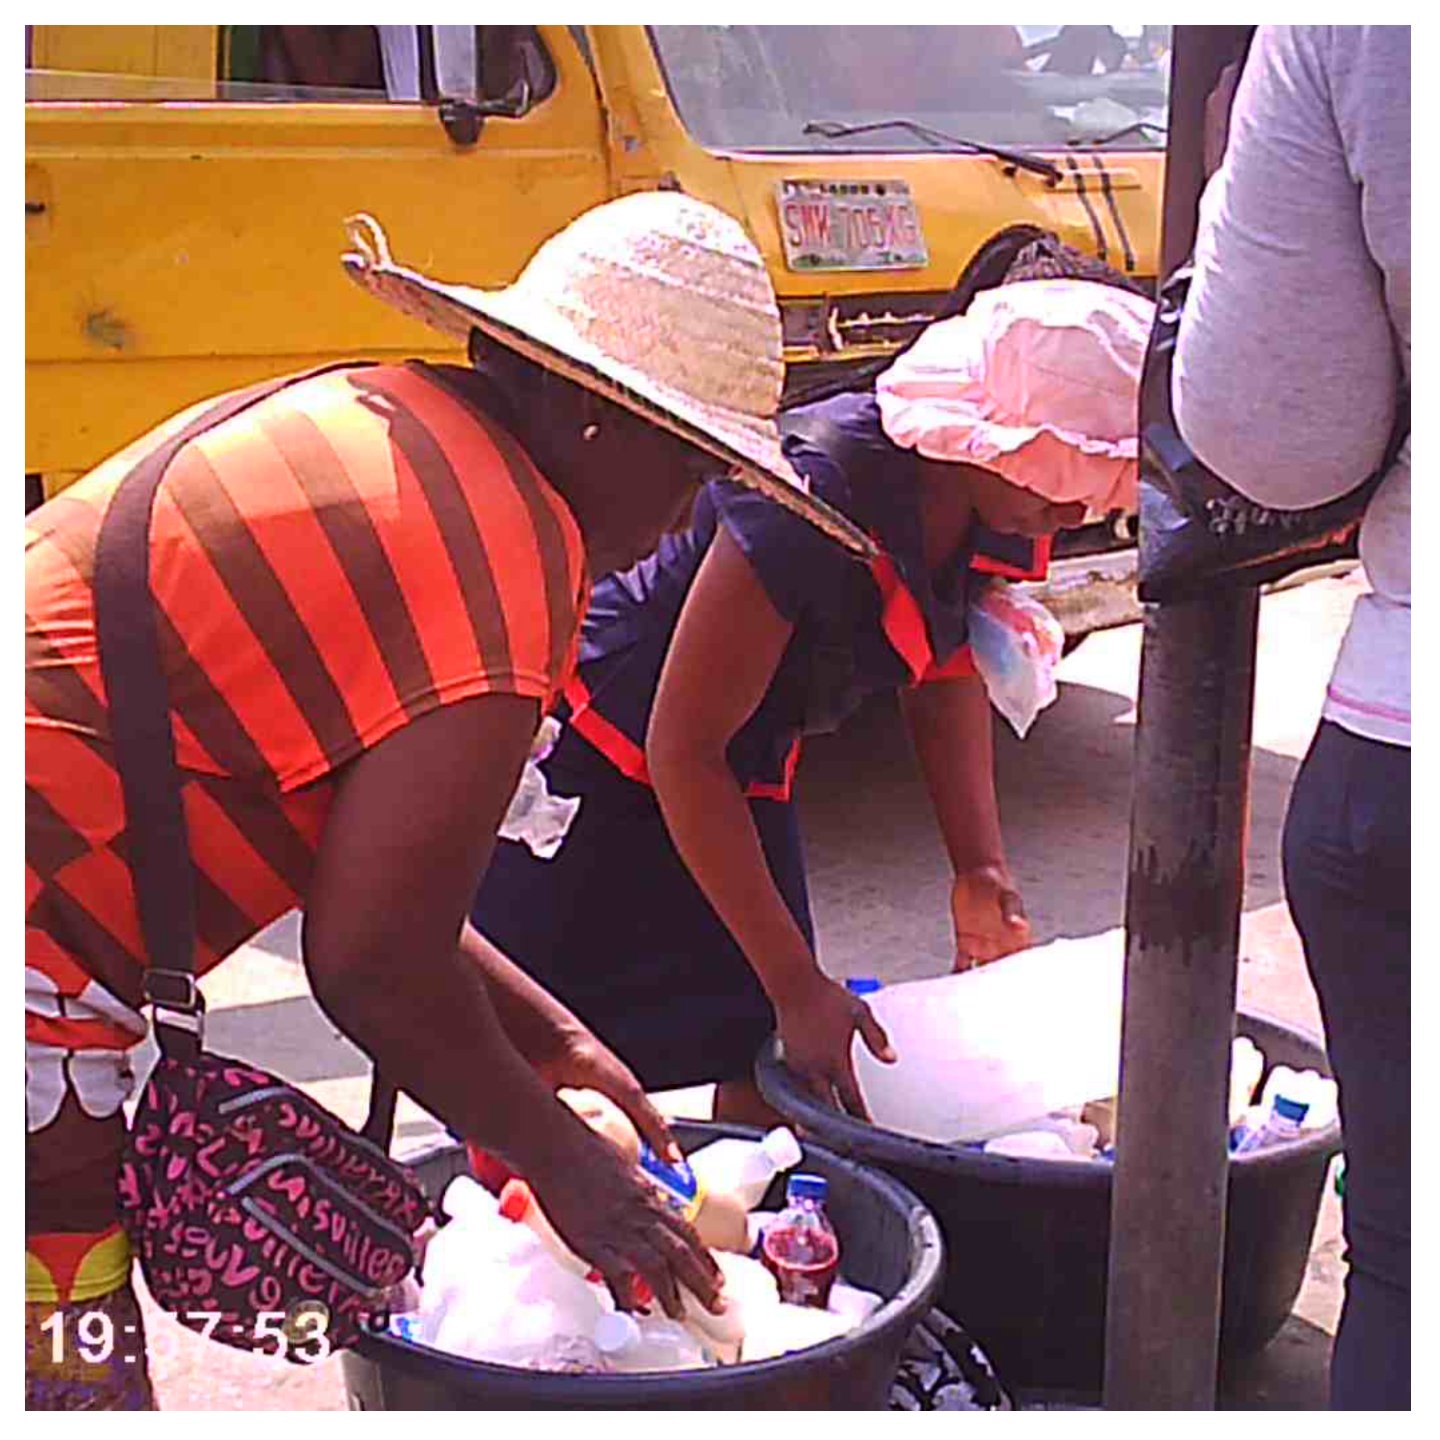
x: 850, y: 225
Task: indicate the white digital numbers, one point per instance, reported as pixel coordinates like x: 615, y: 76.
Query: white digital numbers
x: 299, y: 1334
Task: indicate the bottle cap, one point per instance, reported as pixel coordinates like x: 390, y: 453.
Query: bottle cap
x: 782, y: 1149
x: 807, y: 1187
x: 1289, y: 1109
x: 615, y: 1333
x: 863, y: 985
x: 515, y: 1200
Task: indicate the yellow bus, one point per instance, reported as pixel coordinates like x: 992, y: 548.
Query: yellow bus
x: 185, y: 185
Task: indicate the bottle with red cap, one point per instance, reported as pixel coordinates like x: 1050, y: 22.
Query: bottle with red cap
x: 800, y: 1247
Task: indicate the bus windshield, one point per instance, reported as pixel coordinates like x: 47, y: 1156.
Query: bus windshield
x: 918, y: 88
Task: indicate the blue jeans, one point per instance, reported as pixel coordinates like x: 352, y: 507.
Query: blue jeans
x: 1347, y: 879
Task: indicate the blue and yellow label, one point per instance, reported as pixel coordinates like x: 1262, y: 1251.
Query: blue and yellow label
x: 676, y: 1183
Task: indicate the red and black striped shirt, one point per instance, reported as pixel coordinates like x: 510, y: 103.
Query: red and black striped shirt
x: 328, y: 566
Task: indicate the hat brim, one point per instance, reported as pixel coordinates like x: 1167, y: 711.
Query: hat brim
x: 749, y: 447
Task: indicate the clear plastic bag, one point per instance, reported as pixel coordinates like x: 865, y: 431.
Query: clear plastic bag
x: 1017, y: 643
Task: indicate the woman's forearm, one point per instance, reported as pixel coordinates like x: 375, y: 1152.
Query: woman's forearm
x: 442, y: 1042
x: 531, y: 1016
x: 952, y: 731
x: 710, y: 823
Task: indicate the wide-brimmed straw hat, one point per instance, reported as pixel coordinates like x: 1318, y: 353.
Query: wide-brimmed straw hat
x: 656, y: 301
x: 1038, y: 381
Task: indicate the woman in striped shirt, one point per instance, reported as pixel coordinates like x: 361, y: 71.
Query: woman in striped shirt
x: 368, y: 588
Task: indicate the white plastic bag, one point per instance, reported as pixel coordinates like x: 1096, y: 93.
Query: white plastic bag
x: 1017, y: 643
x: 536, y: 817
x: 995, y: 1049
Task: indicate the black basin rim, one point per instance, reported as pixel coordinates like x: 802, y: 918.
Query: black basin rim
x: 927, y: 1265
x: 861, y: 1140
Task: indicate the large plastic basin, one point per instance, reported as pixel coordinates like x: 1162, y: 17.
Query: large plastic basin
x: 890, y: 1244
x: 1028, y: 1240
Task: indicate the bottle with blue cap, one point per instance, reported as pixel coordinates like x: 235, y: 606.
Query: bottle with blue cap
x: 800, y: 1247
x: 1284, y: 1122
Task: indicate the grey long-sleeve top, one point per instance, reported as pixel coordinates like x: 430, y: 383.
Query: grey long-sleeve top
x: 1296, y: 335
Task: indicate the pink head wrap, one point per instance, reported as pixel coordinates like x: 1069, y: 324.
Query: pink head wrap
x: 1038, y: 381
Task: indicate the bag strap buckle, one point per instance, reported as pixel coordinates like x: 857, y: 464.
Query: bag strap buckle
x: 176, y: 993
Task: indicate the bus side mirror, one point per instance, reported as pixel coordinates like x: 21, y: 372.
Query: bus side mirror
x: 463, y: 119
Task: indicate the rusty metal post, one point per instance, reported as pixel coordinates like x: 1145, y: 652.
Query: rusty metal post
x: 1182, y: 918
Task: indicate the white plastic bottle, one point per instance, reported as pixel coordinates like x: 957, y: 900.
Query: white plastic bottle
x: 721, y: 1333
x: 749, y: 1290
x: 628, y: 1345
x: 718, y: 1217
x: 606, y: 1118
x: 744, y: 1168
x: 518, y: 1204
x: 1319, y: 1092
x: 1283, y: 1123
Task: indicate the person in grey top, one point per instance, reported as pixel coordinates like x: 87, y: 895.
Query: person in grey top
x: 1294, y: 348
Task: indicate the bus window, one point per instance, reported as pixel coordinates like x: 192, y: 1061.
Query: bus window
x: 312, y: 64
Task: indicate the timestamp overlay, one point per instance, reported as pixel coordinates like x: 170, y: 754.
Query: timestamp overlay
x: 92, y: 1338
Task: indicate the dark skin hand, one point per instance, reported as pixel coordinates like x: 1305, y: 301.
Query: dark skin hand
x: 412, y: 823
x: 723, y: 656
x: 727, y: 646
x: 952, y: 731
x: 950, y: 723
x: 558, y: 1045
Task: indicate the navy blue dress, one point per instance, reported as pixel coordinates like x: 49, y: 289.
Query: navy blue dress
x: 614, y: 925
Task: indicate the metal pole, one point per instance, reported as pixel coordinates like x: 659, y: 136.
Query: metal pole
x: 1182, y: 919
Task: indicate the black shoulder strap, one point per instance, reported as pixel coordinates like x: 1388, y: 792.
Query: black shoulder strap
x: 158, y: 851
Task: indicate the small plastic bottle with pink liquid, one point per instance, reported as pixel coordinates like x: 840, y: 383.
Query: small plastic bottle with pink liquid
x: 800, y: 1247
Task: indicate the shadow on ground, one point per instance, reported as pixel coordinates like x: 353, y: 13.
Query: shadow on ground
x: 1291, y: 1373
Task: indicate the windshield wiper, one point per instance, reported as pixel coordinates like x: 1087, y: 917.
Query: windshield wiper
x: 834, y: 130
x: 1135, y: 129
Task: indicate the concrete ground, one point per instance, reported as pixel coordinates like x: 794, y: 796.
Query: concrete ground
x: 878, y: 882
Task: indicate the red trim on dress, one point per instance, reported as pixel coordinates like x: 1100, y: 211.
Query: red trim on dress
x: 629, y: 758
x: 759, y: 790
x: 611, y: 741
x: 988, y: 565
x: 901, y: 618
x: 960, y: 666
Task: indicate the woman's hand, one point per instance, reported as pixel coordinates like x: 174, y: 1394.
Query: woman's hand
x: 557, y: 1043
x: 989, y: 916
x: 584, y: 1062
x: 610, y: 1215
x: 816, y: 1025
